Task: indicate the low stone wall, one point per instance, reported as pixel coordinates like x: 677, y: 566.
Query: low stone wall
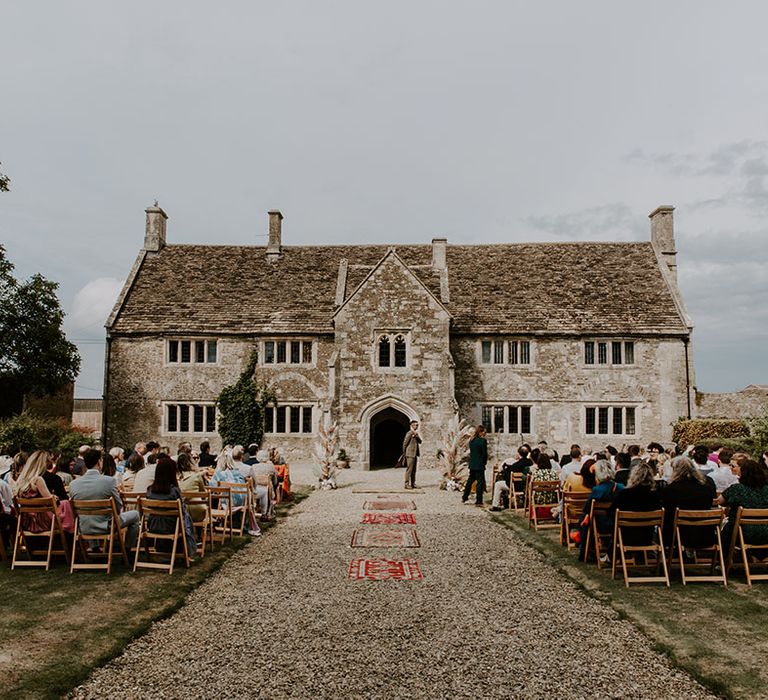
x: 750, y: 401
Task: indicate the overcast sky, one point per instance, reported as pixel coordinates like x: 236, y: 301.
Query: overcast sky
x: 391, y: 122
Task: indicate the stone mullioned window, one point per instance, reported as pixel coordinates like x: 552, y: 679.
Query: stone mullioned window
x: 502, y: 351
x: 610, y: 420
x: 287, y: 352
x: 391, y: 350
x: 609, y: 353
x: 289, y: 419
x: 506, y: 418
x: 197, y: 418
x: 191, y: 351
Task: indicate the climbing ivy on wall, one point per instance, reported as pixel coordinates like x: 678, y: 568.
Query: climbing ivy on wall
x: 241, y: 407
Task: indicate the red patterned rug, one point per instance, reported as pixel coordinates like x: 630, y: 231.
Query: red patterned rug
x: 385, y: 538
x: 389, y: 505
x: 388, y: 519
x: 384, y: 569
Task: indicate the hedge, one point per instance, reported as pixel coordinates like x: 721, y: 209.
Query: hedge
x: 693, y: 432
x: 27, y: 431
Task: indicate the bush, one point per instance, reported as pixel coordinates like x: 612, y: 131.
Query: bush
x: 27, y: 432
x: 695, y: 432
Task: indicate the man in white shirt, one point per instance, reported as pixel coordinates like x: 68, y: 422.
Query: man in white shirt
x: 722, y: 474
x: 574, y: 466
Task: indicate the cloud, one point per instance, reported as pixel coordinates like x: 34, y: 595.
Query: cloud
x: 742, y: 166
x: 607, y: 222
x: 93, y: 303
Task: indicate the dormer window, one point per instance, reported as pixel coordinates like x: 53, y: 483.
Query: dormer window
x: 392, y: 350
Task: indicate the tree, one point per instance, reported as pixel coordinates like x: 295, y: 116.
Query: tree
x: 35, y: 355
x: 5, y: 183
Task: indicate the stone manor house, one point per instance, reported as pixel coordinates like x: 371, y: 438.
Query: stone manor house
x: 568, y: 342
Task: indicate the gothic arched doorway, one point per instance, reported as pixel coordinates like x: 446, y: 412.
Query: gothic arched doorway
x: 388, y: 429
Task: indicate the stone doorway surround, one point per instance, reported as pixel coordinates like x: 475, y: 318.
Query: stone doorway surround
x: 370, y: 411
x: 388, y: 428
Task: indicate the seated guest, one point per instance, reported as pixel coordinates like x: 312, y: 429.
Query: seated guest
x: 573, y: 465
x: 165, y: 487
x: 521, y: 465
x: 64, y: 466
x: 31, y: 484
x: 54, y: 482
x: 714, y: 455
x: 700, y: 457
x: 133, y: 466
x: 642, y: 494
x: 654, y: 450
x: 583, y: 481
x: 623, y: 462
x: 17, y: 464
x: 750, y: 492
x: 253, y: 449
x: 228, y: 473
x: 664, y: 467
x: 109, y: 466
x: 78, y: 469
x: 261, y: 491
x: 722, y: 474
x: 688, y: 489
x: 605, y: 491
x: 206, y: 458
x: 145, y: 476
x: 282, y: 474
x: 191, y: 480
x: 543, y: 472
x: 94, y: 485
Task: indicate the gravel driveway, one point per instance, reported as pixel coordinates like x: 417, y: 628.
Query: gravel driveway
x: 490, y: 619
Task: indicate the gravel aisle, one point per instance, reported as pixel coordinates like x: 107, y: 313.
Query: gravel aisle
x: 489, y: 619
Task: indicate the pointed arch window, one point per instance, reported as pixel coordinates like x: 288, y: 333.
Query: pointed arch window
x: 401, y: 354
x: 385, y: 351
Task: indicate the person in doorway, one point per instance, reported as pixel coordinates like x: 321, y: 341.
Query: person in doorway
x: 478, y: 458
x: 411, y: 451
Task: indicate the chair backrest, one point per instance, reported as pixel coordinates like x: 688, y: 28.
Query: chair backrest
x: 221, y: 494
x: 164, y: 509
x: 545, y: 486
x: 699, y: 518
x: 574, y: 501
x: 648, y: 518
x: 599, y: 507
x: 236, y: 487
x: 752, y: 516
x: 30, y: 506
x: 104, y: 507
x: 131, y: 499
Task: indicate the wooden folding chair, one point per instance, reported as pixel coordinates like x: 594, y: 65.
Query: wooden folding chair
x: 245, y: 508
x: 550, y: 492
x: 686, y: 519
x: 595, y: 538
x: 221, y: 519
x: 517, y: 491
x: 32, y: 507
x: 104, y: 508
x: 131, y: 499
x: 746, y: 517
x: 149, y: 508
x: 194, y: 500
x: 628, y: 520
x: 571, y: 516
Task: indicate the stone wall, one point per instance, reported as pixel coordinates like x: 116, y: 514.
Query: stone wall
x: 140, y: 381
x: 750, y: 401
x: 392, y: 300
x: 558, y: 387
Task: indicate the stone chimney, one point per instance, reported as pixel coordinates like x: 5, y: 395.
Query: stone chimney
x: 439, y: 250
x: 663, y: 236
x: 154, y: 233
x: 275, y: 235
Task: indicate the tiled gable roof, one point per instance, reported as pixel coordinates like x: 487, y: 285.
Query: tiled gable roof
x: 515, y: 288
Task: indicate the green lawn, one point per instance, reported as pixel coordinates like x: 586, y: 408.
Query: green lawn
x: 55, y: 627
x: 718, y: 635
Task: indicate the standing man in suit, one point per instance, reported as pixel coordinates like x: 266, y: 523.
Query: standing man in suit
x: 411, y: 451
x: 94, y: 486
x: 478, y: 458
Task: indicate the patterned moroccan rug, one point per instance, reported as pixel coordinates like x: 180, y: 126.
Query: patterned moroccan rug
x: 385, y: 538
x: 388, y: 519
x: 384, y: 569
x: 386, y: 504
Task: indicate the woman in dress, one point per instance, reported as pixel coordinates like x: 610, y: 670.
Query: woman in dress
x: 31, y: 484
x: 605, y: 490
x: 191, y: 480
x: 165, y: 487
x: 133, y: 466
